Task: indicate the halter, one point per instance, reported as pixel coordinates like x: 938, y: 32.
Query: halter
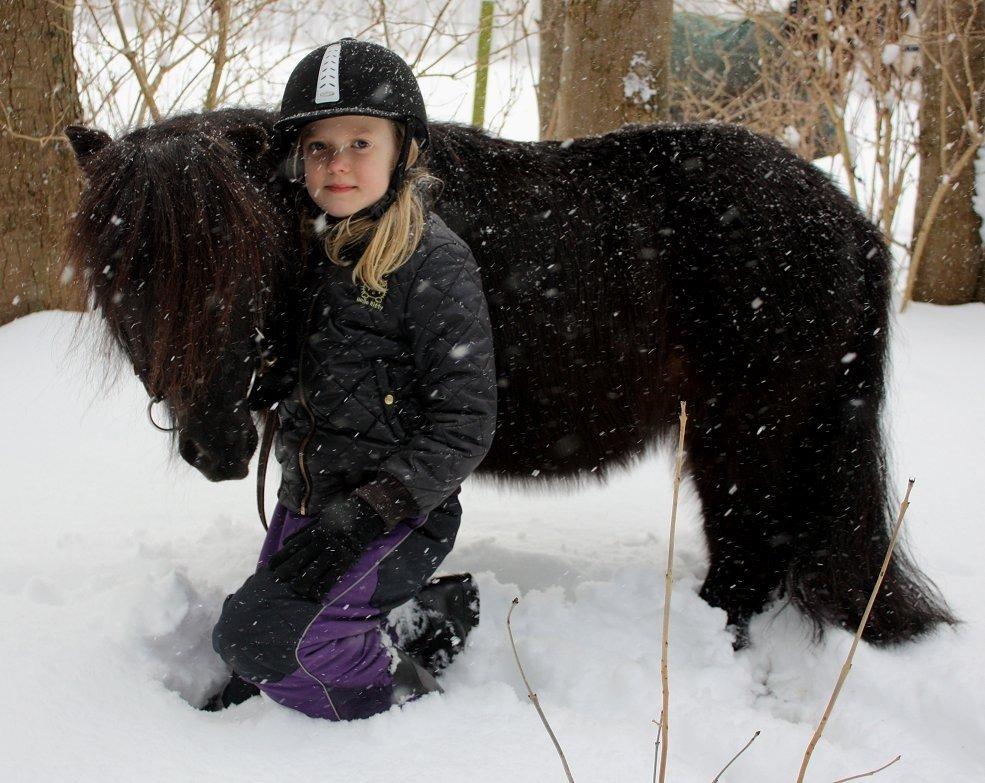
x: 150, y: 412
x: 266, y: 360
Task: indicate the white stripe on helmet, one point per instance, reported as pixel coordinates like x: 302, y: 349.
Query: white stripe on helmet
x: 327, y: 90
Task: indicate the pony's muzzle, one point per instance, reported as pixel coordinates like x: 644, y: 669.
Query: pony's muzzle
x: 219, y: 458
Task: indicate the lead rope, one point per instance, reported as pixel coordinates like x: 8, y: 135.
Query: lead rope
x: 270, y: 420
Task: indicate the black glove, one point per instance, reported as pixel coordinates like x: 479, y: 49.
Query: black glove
x: 315, y: 558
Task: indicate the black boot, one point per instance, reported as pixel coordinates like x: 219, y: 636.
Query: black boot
x: 236, y: 691
x: 449, y: 609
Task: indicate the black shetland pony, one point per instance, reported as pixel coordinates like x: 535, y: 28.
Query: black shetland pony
x: 624, y: 273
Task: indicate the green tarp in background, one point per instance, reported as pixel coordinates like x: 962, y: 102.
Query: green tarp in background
x: 707, y: 50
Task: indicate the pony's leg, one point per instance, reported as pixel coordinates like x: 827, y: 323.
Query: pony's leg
x: 747, y: 490
x: 804, y: 512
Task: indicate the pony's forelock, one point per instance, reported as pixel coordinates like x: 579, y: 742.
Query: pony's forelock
x: 168, y: 237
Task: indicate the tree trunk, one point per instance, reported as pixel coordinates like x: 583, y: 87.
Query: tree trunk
x: 551, y: 35
x: 615, y: 65
x: 952, y: 267
x: 39, y: 98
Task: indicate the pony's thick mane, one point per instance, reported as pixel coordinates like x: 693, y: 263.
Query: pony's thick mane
x: 171, y: 208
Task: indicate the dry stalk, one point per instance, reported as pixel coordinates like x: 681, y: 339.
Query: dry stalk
x: 533, y: 696
x: 656, y: 748
x: 869, y: 774
x: 668, y: 585
x: 847, y: 667
x: 732, y: 760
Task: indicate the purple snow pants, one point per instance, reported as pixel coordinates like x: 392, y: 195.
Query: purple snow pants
x: 331, y: 658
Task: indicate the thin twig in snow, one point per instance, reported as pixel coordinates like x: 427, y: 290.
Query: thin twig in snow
x: 867, y: 774
x: 732, y: 760
x: 668, y: 577
x: 533, y: 696
x: 858, y: 634
x: 656, y: 748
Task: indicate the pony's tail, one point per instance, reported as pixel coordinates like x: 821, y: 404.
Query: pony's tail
x: 848, y: 520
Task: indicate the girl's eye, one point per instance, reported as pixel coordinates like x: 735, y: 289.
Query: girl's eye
x: 361, y: 144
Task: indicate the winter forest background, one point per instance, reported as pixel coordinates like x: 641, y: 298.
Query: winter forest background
x: 117, y: 555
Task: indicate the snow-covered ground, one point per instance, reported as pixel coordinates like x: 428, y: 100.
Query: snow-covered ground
x: 116, y: 558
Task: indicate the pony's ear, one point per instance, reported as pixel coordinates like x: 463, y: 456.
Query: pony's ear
x: 251, y: 140
x: 86, y: 141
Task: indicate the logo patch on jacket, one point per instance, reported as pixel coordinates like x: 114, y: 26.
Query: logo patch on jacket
x: 374, y: 299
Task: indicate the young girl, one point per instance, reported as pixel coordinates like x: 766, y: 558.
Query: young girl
x: 395, y: 405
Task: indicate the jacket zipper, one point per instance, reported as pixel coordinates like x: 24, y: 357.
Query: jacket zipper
x: 302, y: 398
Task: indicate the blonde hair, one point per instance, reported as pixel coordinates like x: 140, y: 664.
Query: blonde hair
x: 392, y: 239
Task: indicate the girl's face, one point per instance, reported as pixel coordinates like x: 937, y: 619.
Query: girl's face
x: 348, y: 161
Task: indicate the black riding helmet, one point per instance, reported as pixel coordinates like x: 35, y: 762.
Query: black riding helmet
x: 355, y: 77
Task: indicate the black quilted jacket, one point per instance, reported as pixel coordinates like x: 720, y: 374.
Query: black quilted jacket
x: 396, y: 397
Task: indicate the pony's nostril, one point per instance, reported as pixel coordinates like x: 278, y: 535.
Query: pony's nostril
x: 190, y: 452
